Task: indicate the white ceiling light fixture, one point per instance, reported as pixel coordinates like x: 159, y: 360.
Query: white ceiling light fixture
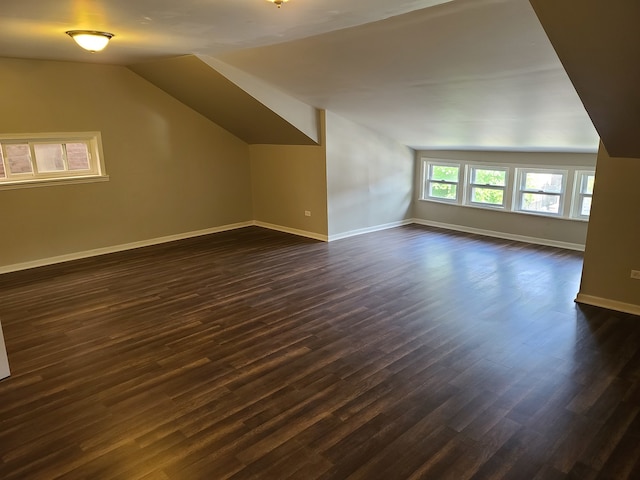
x: 91, y: 40
x: 278, y: 2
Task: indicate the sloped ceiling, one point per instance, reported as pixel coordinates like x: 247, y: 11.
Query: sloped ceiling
x: 199, y: 86
x: 468, y: 74
x: 456, y: 74
x: 599, y: 45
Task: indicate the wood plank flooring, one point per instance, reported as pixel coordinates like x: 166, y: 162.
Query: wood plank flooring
x: 411, y: 353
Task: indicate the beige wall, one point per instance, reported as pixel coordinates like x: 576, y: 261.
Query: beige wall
x: 287, y: 180
x: 613, y: 241
x: 171, y: 170
x: 369, y: 178
x: 545, y: 229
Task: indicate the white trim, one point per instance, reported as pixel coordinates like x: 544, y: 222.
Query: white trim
x: 303, y: 233
x: 293, y: 231
x: 4, y: 361
x: 506, y: 236
x: 506, y: 188
x: 119, y: 248
x: 377, y: 228
x: 513, y: 188
x: 608, y: 304
x: 92, y: 140
x: 52, y: 181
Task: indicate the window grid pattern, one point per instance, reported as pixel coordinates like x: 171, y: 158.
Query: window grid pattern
x: 442, y: 181
x: 585, y: 180
x: 26, y: 159
x: 487, y: 186
x: 564, y: 192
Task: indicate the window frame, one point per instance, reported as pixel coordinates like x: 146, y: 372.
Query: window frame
x: 470, y: 185
x: 571, y: 195
x: 520, y: 190
x: 92, y: 140
x: 427, y: 170
x: 580, y: 181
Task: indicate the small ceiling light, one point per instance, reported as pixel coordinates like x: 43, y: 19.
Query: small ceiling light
x: 278, y: 2
x: 90, y: 39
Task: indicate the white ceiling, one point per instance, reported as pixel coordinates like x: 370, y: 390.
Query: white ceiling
x: 458, y: 74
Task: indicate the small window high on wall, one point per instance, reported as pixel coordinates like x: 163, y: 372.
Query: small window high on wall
x: 40, y: 159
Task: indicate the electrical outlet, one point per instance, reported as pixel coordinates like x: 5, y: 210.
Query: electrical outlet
x: 307, y: 213
x: 635, y: 274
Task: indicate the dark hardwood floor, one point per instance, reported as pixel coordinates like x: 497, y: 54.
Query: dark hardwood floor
x: 403, y: 354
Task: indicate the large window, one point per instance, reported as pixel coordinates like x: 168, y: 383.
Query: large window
x: 541, y: 191
x: 442, y: 181
x: 536, y: 190
x: 47, y: 158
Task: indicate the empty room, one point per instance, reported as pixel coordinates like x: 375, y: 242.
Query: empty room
x: 290, y: 239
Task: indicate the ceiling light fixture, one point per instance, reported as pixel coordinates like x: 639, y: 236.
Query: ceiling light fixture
x: 91, y: 40
x: 278, y: 2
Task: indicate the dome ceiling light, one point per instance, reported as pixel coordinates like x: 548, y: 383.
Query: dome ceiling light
x: 91, y: 40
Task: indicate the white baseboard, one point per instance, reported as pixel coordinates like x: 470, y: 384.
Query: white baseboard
x: 293, y: 231
x: 119, y: 248
x: 506, y: 236
x: 377, y: 228
x: 303, y: 233
x: 608, y: 304
x: 4, y: 361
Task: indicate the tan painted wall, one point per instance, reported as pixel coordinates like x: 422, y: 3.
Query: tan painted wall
x: 544, y: 228
x: 171, y: 170
x: 287, y: 180
x: 369, y: 178
x: 613, y: 241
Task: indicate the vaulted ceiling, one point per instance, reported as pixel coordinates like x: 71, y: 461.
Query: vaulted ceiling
x: 459, y: 74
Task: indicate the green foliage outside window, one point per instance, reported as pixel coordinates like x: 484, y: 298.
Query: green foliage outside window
x: 442, y: 172
x: 488, y: 178
x: 490, y: 196
x: 443, y: 190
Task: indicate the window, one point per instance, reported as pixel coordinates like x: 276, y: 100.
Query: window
x: 47, y: 158
x: 487, y: 186
x: 583, y: 192
x: 442, y: 181
x: 541, y: 191
x: 563, y: 192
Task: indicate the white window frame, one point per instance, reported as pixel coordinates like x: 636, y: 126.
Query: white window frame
x: 92, y: 140
x: 520, y: 190
x: 427, y: 181
x: 579, y: 194
x: 571, y: 196
x: 470, y: 185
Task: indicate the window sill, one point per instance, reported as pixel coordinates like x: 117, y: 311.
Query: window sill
x: 52, y: 181
x: 503, y: 210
